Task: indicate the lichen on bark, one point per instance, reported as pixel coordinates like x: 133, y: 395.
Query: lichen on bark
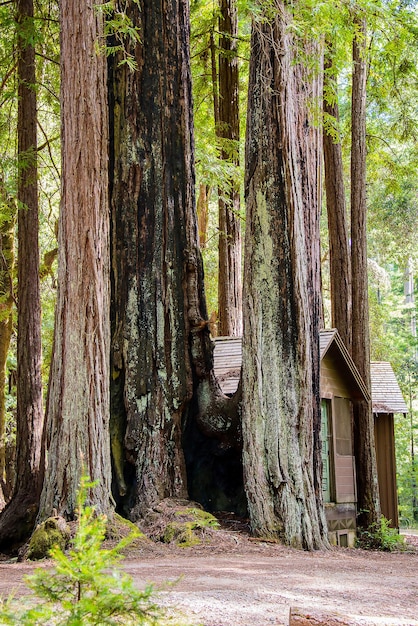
x: 281, y: 294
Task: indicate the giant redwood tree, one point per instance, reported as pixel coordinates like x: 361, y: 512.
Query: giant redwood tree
x: 280, y: 408
x: 18, y: 517
x: 163, y: 392
x: 78, y: 400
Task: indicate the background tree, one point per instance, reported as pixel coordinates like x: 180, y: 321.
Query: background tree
x: 280, y: 406
x: 364, y: 447
x: 19, y: 515
x: 227, y: 130
x: 78, y: 397
x: 219, y: 54
x: 8, y: 213
x: 339, y: 252
x: 7, y: 228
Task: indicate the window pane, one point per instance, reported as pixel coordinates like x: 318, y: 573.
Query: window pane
x: 343, y: 429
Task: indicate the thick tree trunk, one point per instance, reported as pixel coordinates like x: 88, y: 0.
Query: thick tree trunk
x: 229, y: 279
x: 161, y: 353
x: 339, y: 252
x: 281, y: 423
x: 367, y: 485
x: 18, y: 517
x: 78, y: 400
x: 152, y: 197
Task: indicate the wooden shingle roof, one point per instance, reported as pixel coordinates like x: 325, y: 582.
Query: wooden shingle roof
x: 227, y: 362
x: 326, y: 337
x: 386, y: 394
x: 228, y: 358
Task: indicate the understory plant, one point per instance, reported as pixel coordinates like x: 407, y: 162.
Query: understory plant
x: 86, y: 586
x: 380, y: 536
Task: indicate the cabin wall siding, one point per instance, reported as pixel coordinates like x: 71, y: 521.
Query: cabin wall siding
x: 332, y: 383
x: 386, y: 466
x: 340, y: 514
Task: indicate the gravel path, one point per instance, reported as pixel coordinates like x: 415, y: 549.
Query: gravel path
x: 256, y: 590
x: 256, y: 584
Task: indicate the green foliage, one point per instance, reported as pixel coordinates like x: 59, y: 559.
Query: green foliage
x: 211, y: 260
x: 380, y: 536
x: 119, y: 33
x: 86, y: 586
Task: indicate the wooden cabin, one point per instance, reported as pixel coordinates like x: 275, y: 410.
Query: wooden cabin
x: 340, y: 385
x: 387, y: 401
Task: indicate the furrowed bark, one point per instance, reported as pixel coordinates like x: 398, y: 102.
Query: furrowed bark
x: 161, y: 355
x: 282, y: 468
x: 364, y: 444
x: 152, y: 190
x: 78, y: 399
x: 18, y: 517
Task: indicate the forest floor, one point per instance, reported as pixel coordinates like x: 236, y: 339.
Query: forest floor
x: 232, y: 580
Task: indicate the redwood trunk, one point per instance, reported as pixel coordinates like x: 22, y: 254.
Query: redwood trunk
x: 366, y: 470
x: 78, y: 400
x: 339, y: 252
x: 152, y: 198
x: 164, y: 395
x: 203, y: 214
x: 229, y: 279
x: 282, y: 467
x: 18, y: 517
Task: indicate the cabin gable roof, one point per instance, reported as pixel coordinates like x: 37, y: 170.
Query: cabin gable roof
x: 386, y: 394
x: 330, y: 343
x: 228, y: 358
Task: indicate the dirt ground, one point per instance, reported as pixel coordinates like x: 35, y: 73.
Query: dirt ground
x: 236, y: 581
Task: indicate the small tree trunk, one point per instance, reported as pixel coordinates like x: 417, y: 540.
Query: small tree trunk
x: 367, y: 485
x: 78, y: 399
x: 203, y: 214
x: 18, y: 517
x: 6, y: 326
x: 227, y: 129
x: 281, y: 425
x: 339, y: 252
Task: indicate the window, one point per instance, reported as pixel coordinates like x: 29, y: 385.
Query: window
x: 343, y: 429
x: 327, y: 448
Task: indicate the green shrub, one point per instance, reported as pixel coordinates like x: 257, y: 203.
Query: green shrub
x: 85, y: 587
x: 380, y: 536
